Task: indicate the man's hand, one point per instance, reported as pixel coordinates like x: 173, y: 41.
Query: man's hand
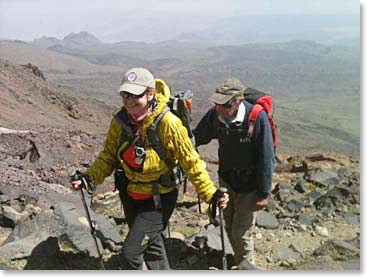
x: 223, y: 200
x: 261, y: 203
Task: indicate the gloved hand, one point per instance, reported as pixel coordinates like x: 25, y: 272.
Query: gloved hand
x: 80, y: 180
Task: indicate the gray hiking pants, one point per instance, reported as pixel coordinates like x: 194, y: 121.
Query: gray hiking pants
x: 240, y: 218
x: 144, y: 241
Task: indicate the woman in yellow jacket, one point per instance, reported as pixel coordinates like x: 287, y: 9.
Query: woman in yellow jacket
x: 127, y: 145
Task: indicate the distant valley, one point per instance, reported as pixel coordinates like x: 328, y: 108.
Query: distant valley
x: 316, y: 87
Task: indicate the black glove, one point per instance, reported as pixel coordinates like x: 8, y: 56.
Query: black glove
x: 214, y: 204
x: 86, y: 181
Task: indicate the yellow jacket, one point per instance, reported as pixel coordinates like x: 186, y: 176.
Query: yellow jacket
x: 173, y: 135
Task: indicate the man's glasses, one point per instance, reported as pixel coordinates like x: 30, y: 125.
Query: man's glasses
x: 125, y: 95
x: 228, y: 104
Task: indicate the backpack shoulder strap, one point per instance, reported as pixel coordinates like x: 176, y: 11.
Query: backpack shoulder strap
x: 156, y: 142
x: 121, y: 118
x: 252, y: 117
x: 127, y: 132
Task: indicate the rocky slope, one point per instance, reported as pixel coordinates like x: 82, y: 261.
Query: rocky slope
x: 29, y: 101
x: 312, y: 222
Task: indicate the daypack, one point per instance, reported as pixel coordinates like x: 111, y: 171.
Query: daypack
x: 180, y: 104
x: 261, y: 102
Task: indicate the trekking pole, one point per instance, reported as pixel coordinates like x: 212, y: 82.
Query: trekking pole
x: 199, y: 204
x: 75, y: 177
x: 221, y: 221
x: 168, y: 230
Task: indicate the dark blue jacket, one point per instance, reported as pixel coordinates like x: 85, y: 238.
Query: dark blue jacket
x: 245, y: 163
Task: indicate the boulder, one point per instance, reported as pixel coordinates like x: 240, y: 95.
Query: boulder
x: 294, y: 205
x: 59, y: 240
x: 285, y: 253
x: 210, y: 238
x: 351, y: 218
x: 338, y: 250
x: 266, y: 220
x: 307, y: 219
x: 301, y: 185
x: 323, y: 177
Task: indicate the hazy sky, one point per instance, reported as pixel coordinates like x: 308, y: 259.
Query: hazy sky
x: 29, y: 19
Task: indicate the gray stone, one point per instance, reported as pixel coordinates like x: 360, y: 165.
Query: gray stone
x: 283, y: 186
x: 320, y: 263
x: 351, y: 218
x: 45, y: 222
x: 282, y: 191
x: 284, y: 253
x: 282, y: 195
x: 4, y: 234
x: 323, y: 177
x: 294, y: 205
x: 307, y: 219
x: 350, y: 264
x: 301, y: 186
x: 356, y: 241
x: 338, y: 250
x: 214, y: 239
x: 39, y: 243
x: 324, y: 202
x: 312, y: 196
x: 297, y: 247
x: 266, y: 220
x: 77, y: 231
x: 335, y: 197
x: 21, y: 249
x: 272, y: 206
x: 344, y: 172
x: 322, y: 231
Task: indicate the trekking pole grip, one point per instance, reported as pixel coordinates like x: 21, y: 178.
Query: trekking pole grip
x: 222, y: 191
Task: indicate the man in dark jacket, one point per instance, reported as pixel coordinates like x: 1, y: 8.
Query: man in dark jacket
x: 246, y: 163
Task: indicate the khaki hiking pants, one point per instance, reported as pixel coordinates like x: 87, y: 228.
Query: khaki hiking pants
x: 240, y: 217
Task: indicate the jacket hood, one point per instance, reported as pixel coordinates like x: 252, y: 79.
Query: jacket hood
x: 163, y: 94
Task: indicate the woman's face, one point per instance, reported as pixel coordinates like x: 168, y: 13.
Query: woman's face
x: 137, y: 105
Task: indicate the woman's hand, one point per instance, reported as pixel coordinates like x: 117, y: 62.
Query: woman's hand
x: 76, y: 185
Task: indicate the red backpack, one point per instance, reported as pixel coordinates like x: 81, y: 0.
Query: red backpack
x: 261, y: 102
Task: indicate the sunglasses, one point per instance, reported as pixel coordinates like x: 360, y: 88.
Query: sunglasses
x: 125, y: 95
x: 228, y: 104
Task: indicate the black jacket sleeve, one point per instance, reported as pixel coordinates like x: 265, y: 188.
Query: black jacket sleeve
x: 205, y: 131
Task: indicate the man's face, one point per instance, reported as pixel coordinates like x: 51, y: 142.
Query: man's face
x: 229, y: 109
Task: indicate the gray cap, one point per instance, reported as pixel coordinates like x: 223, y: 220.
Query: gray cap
x: 136, y: 81
x: 226, y: 90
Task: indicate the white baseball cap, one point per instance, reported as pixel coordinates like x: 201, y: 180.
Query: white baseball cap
x: 136, y: 81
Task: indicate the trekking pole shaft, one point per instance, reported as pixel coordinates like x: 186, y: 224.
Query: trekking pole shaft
x: 224, y: 256
x: 92, y: 230
x: 169, y: 230
x: 221, y: 221
x: 199, y: 204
